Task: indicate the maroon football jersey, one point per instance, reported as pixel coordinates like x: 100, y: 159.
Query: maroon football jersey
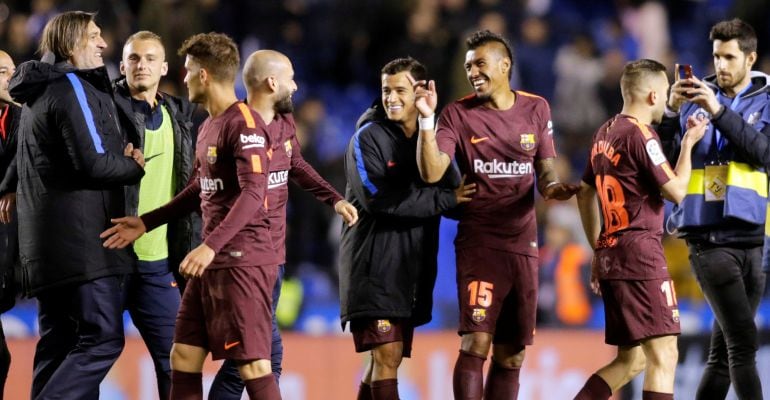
x: 627, y: 167
x: 497, y: 150
x: 286, y: 163
x: 233, y: 164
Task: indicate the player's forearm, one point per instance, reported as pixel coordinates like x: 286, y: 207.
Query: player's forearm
x: 589, y: 213
x: 683, y: 171
x: 431, y: 162
x: 546, y: 174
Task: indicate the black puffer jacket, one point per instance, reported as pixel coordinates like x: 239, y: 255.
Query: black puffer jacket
x: 388, y: 258
x: 182, y: 232
x: 72, y: 173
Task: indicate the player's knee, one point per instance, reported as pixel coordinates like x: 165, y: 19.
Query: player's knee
x: 253, y: 369
x: 477, y: 343
x: 662, y: 352
x: 509, y: 356
x: 388, y: 355
x: 187, y: 358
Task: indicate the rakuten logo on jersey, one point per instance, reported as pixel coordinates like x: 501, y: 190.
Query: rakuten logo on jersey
x: 209, y: 185
x: 277, y: 178
x: 498, y: 169
x: 252, y: 140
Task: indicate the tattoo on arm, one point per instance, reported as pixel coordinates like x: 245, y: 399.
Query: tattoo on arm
x: 545, y: 173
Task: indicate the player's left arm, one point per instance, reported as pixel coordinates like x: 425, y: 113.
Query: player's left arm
x: 548, y: 183
x: 252, y: 167
x: 676, y: 188
x: 304, y: 175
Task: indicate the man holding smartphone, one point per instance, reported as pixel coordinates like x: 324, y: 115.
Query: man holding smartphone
x: 723, y: 213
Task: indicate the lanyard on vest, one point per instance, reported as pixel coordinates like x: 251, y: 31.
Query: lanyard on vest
x: 721, y: 141
x: 5, y: 111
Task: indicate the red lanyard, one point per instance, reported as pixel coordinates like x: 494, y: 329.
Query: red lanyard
x: 2, y: 121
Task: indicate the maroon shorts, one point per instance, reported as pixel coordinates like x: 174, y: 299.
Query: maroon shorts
x: 497, y: 291
x: 369, y: 333
x: 228, y: 311
x: 637, y: 310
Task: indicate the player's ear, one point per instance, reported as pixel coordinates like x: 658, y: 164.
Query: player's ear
x: 272, y: 83
x: 163, y: 68
x: 122, y: 68
x: 505, y: 65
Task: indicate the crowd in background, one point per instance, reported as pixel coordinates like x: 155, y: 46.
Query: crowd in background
x: 565, y: 50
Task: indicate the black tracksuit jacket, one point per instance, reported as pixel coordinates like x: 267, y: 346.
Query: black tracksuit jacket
x: 388, y: 258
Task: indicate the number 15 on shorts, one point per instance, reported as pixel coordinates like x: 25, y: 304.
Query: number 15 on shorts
x: 667, y: 287
x: 480, y: 293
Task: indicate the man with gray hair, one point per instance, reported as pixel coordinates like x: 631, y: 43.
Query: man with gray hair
x: 73, y: 161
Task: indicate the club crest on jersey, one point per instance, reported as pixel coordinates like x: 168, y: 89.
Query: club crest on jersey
x: 527, y: 141
x: 753, y: 118
x: 479, y: 314
x: 287, y: 147
x: 383, y: 326
x: 675, y: 315
x: 701, y: 113
x: 211, y: 155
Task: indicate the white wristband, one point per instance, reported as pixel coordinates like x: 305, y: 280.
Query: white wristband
x: 551, y: 184
x: 427, y: 123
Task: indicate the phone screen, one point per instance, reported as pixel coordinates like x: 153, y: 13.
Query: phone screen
x: 685, y: 71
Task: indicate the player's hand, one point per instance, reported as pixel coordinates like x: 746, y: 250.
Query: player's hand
x: 464, y: 192
x: 196, y: 261
x: 696, y: 129
x: 125, y: 231
x: 560, y: 191
x: 347, y: 211
x: 595, y: 276
x: 677, y: 95
x: 703, y: 96
x: 425, y: 97
x: 7, y: 205
x: 138, y: 157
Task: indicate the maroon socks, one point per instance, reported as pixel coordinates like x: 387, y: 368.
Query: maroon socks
x: 468, y: 377
x: 594, y: 389
x: 502, y: 383
x: 186, y: 385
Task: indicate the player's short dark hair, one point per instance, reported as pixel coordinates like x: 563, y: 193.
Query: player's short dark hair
x: 735, y: 29
x: 215, y: 52
x: 65, y: 32
x: 636, y: 72
x: 480, y: 38
x: 409, y: 64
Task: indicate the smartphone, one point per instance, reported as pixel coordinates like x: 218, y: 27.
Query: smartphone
x: 685, y: 72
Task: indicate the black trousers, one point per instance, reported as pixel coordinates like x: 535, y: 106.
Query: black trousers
x: 81, y: 336
x: 732, y: 281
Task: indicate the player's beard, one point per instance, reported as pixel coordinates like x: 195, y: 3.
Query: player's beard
x: 733, y: 80
x: 284, y: 105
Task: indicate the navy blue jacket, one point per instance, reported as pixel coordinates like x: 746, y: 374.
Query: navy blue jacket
x: 388, y: 258
x: 72, y: 173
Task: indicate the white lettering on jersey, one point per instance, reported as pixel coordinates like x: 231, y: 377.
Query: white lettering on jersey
x: 550, y: 127
x: 655, y: 152
x: 253, y: 140
x: 211, y: 185
x: 277, y: 178
x: 498, y: 169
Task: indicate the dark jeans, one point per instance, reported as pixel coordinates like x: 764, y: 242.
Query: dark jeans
x: 732, y: 281
x: 228, y: 384
x: 152, y: 299
x: 81, y: 336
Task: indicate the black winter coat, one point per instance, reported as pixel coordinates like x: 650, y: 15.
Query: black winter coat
x: 72, y: 173
x: 388, y: 258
